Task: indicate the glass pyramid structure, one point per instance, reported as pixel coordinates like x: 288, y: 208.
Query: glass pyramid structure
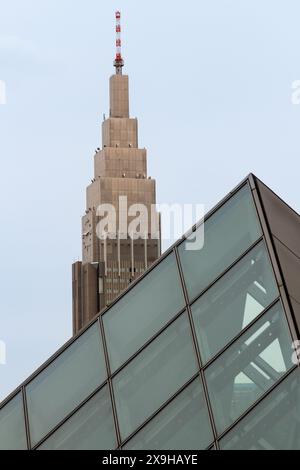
x: 196, y: 354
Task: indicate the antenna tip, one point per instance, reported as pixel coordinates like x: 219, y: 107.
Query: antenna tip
x: 118, y: 63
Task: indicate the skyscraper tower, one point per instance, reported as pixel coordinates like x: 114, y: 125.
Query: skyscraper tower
x: 114, y: 258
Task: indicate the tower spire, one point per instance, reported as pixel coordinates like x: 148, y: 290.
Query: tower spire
x: 119, y: 62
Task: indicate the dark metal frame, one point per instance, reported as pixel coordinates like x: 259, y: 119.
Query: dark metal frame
x: 266, y: 236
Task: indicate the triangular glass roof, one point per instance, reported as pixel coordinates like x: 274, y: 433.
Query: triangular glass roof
x: 196, y: 354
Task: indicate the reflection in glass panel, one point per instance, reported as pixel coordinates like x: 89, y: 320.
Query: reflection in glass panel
x: 154, y: 375
x: 234, y: 301
x: 273, y: 424
x: 249, y: 367
x: 143, y: 311
x: 12, y: 425
x: 228, y: 233
x: 65, y: 383
x: 91, y: 428
x: 183, y: 424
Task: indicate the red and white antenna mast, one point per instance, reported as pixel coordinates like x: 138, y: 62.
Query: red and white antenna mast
x: 119, y: 62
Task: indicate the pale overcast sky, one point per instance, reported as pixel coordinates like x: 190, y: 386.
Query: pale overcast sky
x: 210, y: 82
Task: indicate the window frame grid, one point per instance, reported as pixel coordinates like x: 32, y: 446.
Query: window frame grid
x: 287, y: 309
x: 68, y: 343
x: 199, y: 373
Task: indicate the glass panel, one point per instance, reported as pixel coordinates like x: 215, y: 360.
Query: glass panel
x: 234, y: 301
x: 227, y: 234
x: 65, y: 383
x: 249, y: 367
x: 154, y: 375
x: 143, y: 311
x: 183, y: 424
x: 273, y: 424
x: 12, y: 425
x: 91, y: 428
